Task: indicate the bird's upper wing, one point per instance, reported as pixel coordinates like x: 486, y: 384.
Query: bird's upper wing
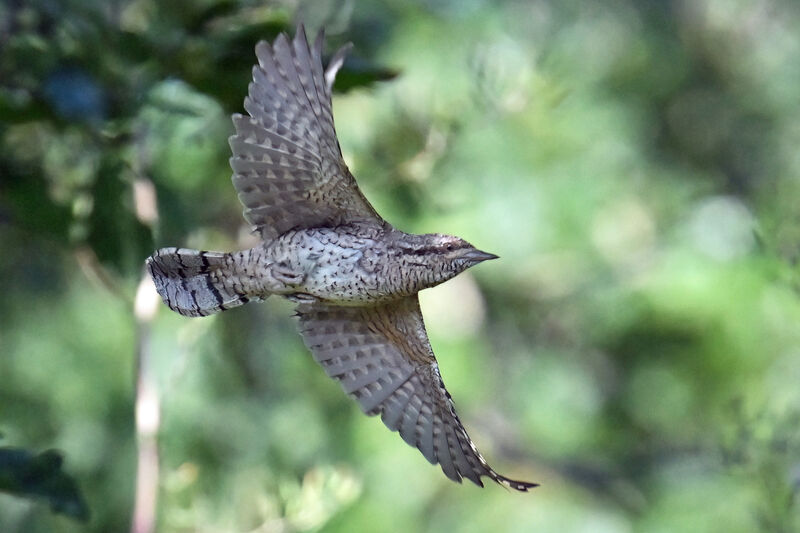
x: 287, y: 164
x: 382, y: 357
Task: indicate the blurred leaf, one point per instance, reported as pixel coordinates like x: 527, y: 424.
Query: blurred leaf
x: 25, y: 202
x: 358, y: 72
x: 40, y: 476
x: 114, y: 233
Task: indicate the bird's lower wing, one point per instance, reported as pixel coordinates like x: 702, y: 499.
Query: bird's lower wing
x: 287, y: 164
x: 382, y: 358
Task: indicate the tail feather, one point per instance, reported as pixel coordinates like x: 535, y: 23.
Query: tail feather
x: 191, y: 282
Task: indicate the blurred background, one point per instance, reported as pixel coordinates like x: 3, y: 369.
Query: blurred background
x: 636, y: 350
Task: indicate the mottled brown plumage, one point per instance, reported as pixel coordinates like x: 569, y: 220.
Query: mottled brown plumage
x: 354, y: 276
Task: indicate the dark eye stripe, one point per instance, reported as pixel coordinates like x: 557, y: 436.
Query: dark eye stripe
x: 449, y: 247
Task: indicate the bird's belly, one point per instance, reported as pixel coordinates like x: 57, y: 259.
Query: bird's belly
x: 341, y: 282
x: 333, y: 268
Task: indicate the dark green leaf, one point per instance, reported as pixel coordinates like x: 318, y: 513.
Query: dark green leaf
x: 40, y: 476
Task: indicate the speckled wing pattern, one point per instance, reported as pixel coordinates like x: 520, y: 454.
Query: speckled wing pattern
x: 382, y: 358
x: 287, y: 164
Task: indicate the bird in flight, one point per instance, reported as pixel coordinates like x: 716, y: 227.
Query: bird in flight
x: 354, y: 276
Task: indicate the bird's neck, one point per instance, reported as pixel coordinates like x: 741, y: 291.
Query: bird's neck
x: 423, y: 273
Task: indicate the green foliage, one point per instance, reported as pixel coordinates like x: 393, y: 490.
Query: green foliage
x: 634, y: 164
x: 29, y: 475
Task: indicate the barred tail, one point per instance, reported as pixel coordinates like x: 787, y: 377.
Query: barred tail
x: 191, y: 282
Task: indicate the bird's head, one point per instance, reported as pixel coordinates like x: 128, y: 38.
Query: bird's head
x: 441, y: 257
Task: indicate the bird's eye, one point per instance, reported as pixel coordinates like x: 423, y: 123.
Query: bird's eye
x: 449, y: 247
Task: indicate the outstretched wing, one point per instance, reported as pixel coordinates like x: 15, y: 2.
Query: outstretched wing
x: 382, y: 358
x: 287, y: 164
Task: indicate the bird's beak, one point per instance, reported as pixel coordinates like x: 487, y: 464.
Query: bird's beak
x: 477, y: 256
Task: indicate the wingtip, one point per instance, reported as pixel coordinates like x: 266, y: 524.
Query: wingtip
x: 263, y: 51
x: 282, y: 40
x: 319, y: 42
x: 301, y: 35
x: 521, y: 486
x: 506, y: 483
x: 336, y: 63
x: 300, y: 38
x: 282, y: 44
